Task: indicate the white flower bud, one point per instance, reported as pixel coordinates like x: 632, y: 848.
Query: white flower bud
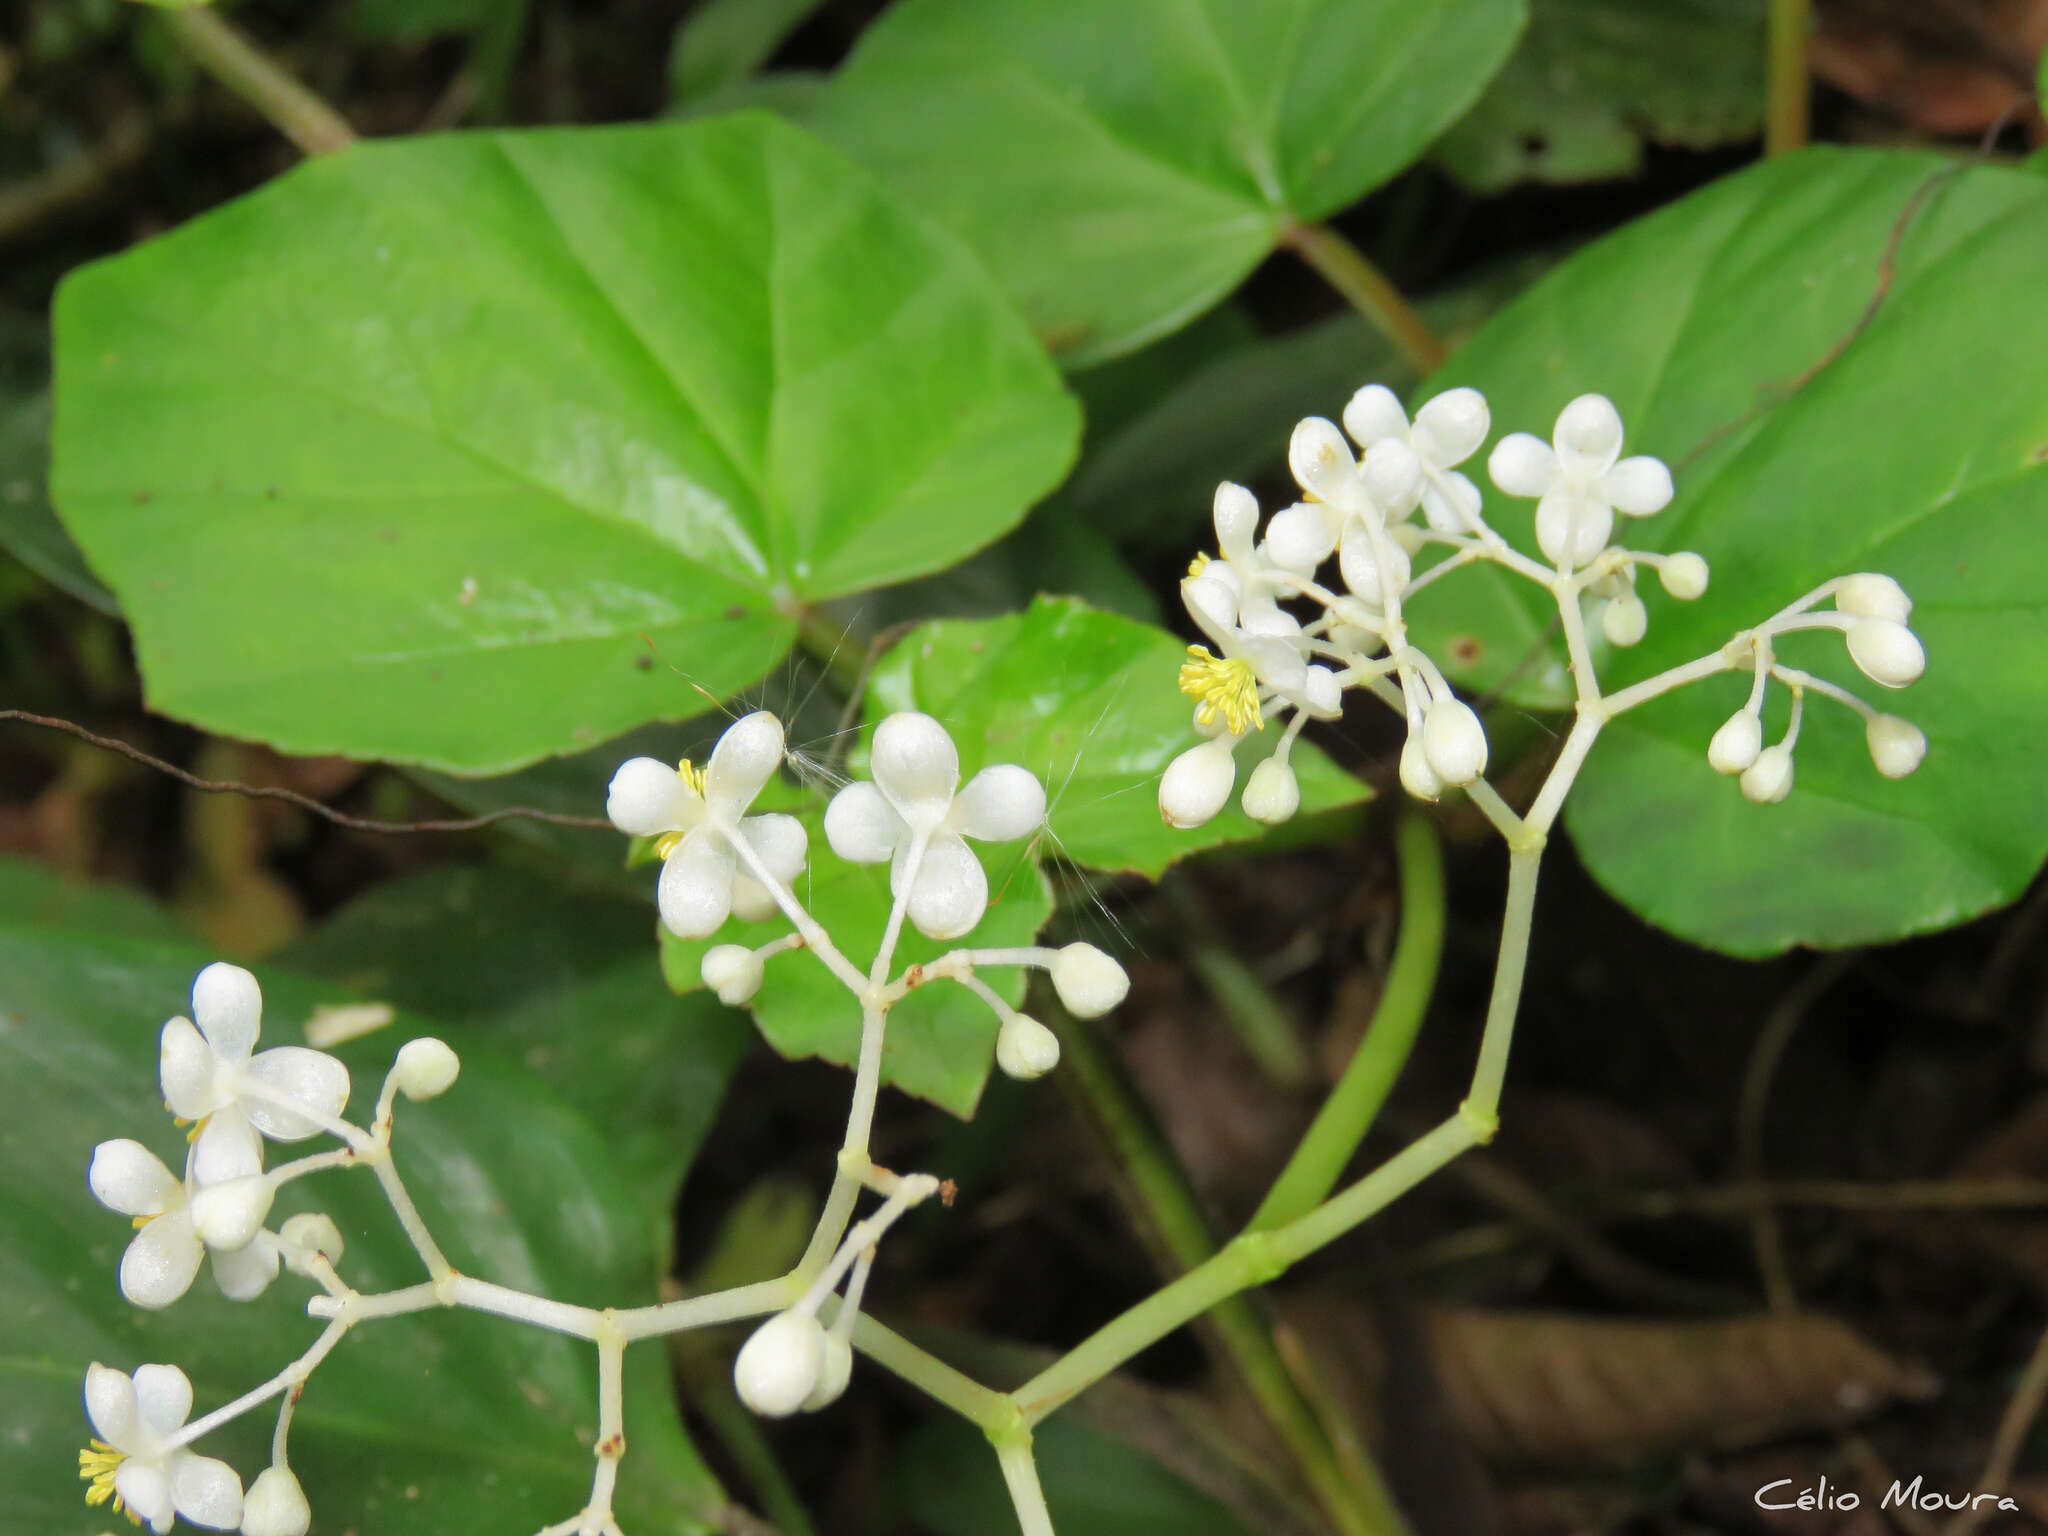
x: 1886, y: 651
x: 1272, y: 794
x: 1417, y: 777
x: 1025, y: 1048
x: 833, y: 1374
x: 275, y: 1505
x: 1896, y: 745
x: 307, y: 1234
x: 1197, y: 783
x: 228, y: 1215
x: 1454, y: 741
x: 1625, y: 620
x: 1874, y: 596
x: 425, y: 1068
x: 778, y: 1368
x: 1737, y: 742
x: 1684, y: 575
x: 1089, y: 982
x: 1769, y: 779
x: 734, y: 972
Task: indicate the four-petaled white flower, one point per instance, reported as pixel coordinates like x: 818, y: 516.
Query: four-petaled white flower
x: 1446, y: 431
x: 911, y: 810
x: 209, y: 1076
x: 164, y: 1254
x: 698, y: 814
x: 129, y: 1465
x: 1581, y: 480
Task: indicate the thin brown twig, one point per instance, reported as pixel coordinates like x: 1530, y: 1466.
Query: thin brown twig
x: 226, y: 53
x: 293, y: 797
x: 2014, y: 1426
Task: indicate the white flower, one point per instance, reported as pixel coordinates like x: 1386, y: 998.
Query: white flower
x: 1769, y: 779
x: 1453, y: 742
x: 209, y: 1076
x: 1447, y: 430
x: 164, y: 1254
x: 1088, y: 982
x: 1886, y: 651
x: 1025, y: 1048
x: 1197, y: 783
x: 1244, y: 567
x: 1684, y: 575
x: 1738, y: 741
x: 1579, y: 481
x: 128, y: 1465
x: 779, y: 1367
x: 1896, y: 746
x: 734, y: 972
x: 1226, y: 684
x: 913, y: 799
x: 1272, y: 794
x: 425, y: 1068
x: 697, y: 813
x: 276, y: 1505
x: 834, y: 1372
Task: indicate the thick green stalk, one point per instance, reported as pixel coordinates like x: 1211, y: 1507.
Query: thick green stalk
x: 222, y: 51
x: 1347, y: 1114
x: 1369, y: 291
x: 1788, y: 93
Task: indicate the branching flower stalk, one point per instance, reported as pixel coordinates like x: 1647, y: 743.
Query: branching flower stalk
x: 1265, y: 666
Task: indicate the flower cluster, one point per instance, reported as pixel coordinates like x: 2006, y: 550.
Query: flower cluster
x: 234, y: 1100
x: 1285, y: 639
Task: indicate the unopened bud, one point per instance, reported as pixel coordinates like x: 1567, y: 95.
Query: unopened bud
x: 1874, y: 596
x: 1684, y: 575
x: 1737, y: 743
x: 834, y: 1372
x: 1454, y: 741
x: 228, y: 1215
x: 307, y: 1234
x: 275, y: 1505
x: 1025, y: 1048
x: 1417, y: 777
x: 1089, y: 982
x: 1896, y: 745
x: 1272, y: 794
x: 1769, y: 779
x: 1197, y: 784
x: 1625, y: 620
x: 734, y: 972
x: 425, y: 1068
x: 778, y: 1368
x: 1887, y: 651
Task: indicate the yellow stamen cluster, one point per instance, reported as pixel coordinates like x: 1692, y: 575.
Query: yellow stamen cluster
x: 692, y: 775
x: 1229, y: 689
x: 97, y: 1464
x: 1199, y: 564
x: 665, y: 844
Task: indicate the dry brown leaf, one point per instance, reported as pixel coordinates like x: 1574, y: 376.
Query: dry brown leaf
x: 2016, y: 1148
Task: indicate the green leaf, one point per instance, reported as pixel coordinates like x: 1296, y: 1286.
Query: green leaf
x: 1121, y: 168
x: 722, y: 42
x: 560, y: 978
x: 1595, y: 80
x: 942, y: 1039
x: 1909, y: 452
x: 441, y: 1422
x: 29, y: 529
x: 416, y: 451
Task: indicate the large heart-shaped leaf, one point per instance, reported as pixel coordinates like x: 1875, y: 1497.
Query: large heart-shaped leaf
x: 1910, y: 450
x: 1122, y: 167
x: 442, y: 1422
x: 416, y: 452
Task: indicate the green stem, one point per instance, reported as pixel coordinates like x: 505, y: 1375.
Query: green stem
x: 1361, y: 1505
x: 1789, y: 93
x: 1341, y: 1125
x: 225, y: 53
x: 1020, y: 1474
x: 1369, y: 291
x: 991, y: 1410
x: 1261, y: 1021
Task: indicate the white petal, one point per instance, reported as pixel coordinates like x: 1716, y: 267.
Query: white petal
x: 1212, y: 604
x: 1373, y: 413
x: 1571, y: 528
x: 1276, y: 663
x: 1522, y: 465
x: 1197, y: 783
x: 311, y: 1079
x: 1000, y: 803
x: 950, y: 892
x: 744, y: 760
x: 1262, y: 616
x: 242, y: 1273
x: 1393, y: 476
x: 1359, y: 561
x: 916, y: 766
x: 163, y: 1397
x: 1450, y: 428
x: 1638, y: 486
x: 110, y: 1405
x: 1453, y: 508
x: 185, y: 1065
x: 695, y: 891
x: 1237, y: 521
x: 146, y: 1491
x: 205, y: 1491
x: 1322, y: 694
x: 228, y: 1006
x: 161, y: 1260
x: 228, y: 1216
x: 126, y: 1176
x: 861, y: 826
x: 1301, y: 537
x: 1321, y: 463
x: 1588, y: 437
x: 779, y: 841
x: 227, y: 1147
x: 648, y: 796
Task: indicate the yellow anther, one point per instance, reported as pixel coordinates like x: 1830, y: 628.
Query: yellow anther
x: 197, y: 1126
x: 97, y: 1464
x: 1229, y: 689
x: 665, y: 844
x: 692, y: 775
x: 139, y: 1222
x: 1199, y: 564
